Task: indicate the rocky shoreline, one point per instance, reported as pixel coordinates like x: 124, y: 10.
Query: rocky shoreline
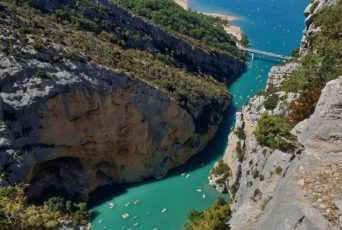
x: 274, y: 189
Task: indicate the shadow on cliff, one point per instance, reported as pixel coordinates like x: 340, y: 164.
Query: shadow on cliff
x: 213, y: 151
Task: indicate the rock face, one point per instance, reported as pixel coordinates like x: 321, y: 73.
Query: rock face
x: 111, y: 128
x: 271, y: 189
x: 277, y: 190
x: 79, y: 125
x: 323, y: 130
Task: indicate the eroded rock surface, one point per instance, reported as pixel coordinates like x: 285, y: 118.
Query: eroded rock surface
x: 119, y: 129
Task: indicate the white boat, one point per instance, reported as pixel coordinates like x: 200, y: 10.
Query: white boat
x: 134, y: 217
x: 136, y: 224
x: 147, y: 213
x: 111, y: 205
x: 187, y: 175
x: 125, y: 216
x: 164, y: 210
x: 136, y: 202
x: 183, y: 174
x: 203, y: 196
x: 199, y: 190
x: 127, y: 204
x: 100, y: 221
x: 155, y: 229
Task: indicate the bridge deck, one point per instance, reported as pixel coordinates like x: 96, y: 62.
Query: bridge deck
x: 264, y: 53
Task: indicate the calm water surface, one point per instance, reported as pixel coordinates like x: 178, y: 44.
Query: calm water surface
x: 271, y: 25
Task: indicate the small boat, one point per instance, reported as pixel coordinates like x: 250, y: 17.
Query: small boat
x: 136, y: 202
x: 134, y: 217
x: 199, y: 190
x: 147, y: 213
x: 164, y: 210
x: 111, y: 205
x: 203, y: 196
x: 183, y: 174
x: 136, y: 224
x: 187, y: 176
x: 125, y: 216
x: 100, y: 221
x: 127, y: 204
x: 155, y: 229
x: 104, y: 227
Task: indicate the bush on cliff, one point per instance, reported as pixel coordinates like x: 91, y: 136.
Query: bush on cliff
x: 273, y: 131
x: 222, y: 169
x: 271, y: 102
x: 322, y: 63
x: 214, y: 217
x: 17, y: 213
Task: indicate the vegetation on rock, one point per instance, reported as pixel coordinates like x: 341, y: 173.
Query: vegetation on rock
x: 271, y: 102
x: 273, y: 131
x: 17, y: 213
x: 214, y: 217
x: 69, y: 32
x: 222, y: 169
x: 322, y: 63
x: 240, y: 132
x: 204, y: 31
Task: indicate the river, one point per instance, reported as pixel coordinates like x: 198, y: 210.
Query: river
x: 271, y: 25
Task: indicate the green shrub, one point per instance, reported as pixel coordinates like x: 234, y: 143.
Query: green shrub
x: 222, y: 169
x: 261, y: 177
x: 234, y: 188
x: 295, y: 53
x: 244, y: 40
x: 278, y: 170
x: 56, y: 204
x: 294, y: 83
x: 240, y: 152
x: 271, y: 102
x: 40, y: 73
x: 255, y: 173
x: 214, y: 217
x: 271, y: 130
x: 240, y: 132
x: 17, y: 213
x: 195, y: 216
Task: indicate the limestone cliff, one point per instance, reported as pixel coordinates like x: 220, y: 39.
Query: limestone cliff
x: 296, y: 189
x: 71, y: 121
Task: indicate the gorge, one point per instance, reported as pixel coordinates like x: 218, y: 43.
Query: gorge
x: 105, y: 101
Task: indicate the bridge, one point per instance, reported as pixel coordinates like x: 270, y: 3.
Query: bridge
x: 254, y: 51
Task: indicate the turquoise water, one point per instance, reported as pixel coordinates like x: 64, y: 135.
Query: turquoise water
x: 272, y: 25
